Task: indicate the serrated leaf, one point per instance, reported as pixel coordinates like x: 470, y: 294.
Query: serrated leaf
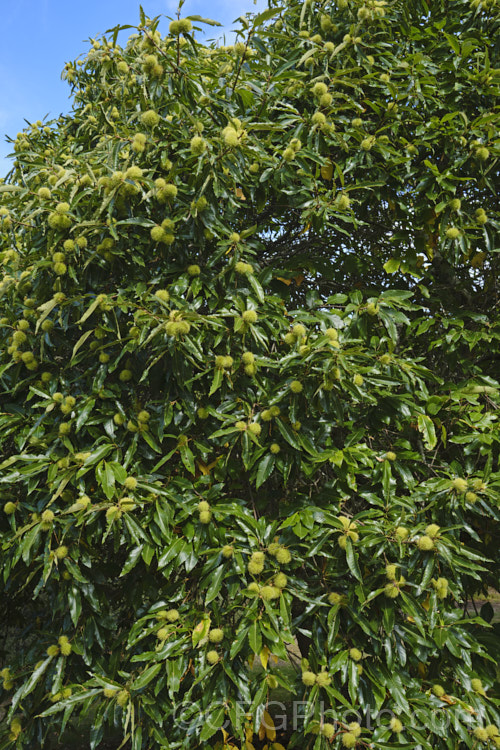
x: 118, y: 470
x: 255, y: 284
x: 88, y: 312
x: 75, y: 604
x: 80, y: 697
x: 132, y: 560
x: 45, y: 309
x: 136, y: 221
x: 146, y: 677
x: 352, y: 559
x: 237, y: 643
x: 288, y: 434
x: 150, y: 440
x: 29, y: 685
x: 187, y: 458
x: 200, y: 19
x: 212, y: 723
x: 106, y: 478
x: 255, y: 638
x: 215, y: 584
x: 83, y: 338
x: 265, y: 16
x: 426, y: 427
x: 83, y: 415
x: 265, y: 469
x: 216, y: 382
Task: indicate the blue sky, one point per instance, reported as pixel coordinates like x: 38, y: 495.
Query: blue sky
x: 38, y: 36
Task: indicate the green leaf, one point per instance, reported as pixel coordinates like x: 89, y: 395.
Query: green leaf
x: 83, y: 338
x: 98, y: 454
x: 392, y: 265
x: 435, y: 403
x: 84, y: 414
x: 288, y: 434
x: 254, y: 283
x: 149, y: 439
x: 261, y: 18
x: 238, y: 642
x: 255, y: 638
x: 106, y: 478
x: 200, y: 632
x: 135, y: 529
x: 146, y: 677
x: 136, y: 221
x: 80, y: 697
x: 352, y: 559
x: 90, y: 309
x: 212, y: 723
x: 265, y: 469
x: 388, y: 618
x: 426, y: 427
x: 75, y: 571
x: 216, y: 382
x: 45, y: 309
x: 440, y: 636
x: 386, y: 479
x: 306, y: 56
x: 337, y: 458
x: 215, y: 584
x: 428, y: 571
x: 170, y: 553
x: 187, y: 458
x: 29, y: 539
x: 132, y: 560
x: 75, y: 604
x: 29, y: 685
x: 200, y: 19
x: 118, y: 470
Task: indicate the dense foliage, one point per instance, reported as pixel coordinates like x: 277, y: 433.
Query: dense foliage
x: 250, y: 338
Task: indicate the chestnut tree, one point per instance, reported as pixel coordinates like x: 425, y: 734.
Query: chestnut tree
x: 248, y: 400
